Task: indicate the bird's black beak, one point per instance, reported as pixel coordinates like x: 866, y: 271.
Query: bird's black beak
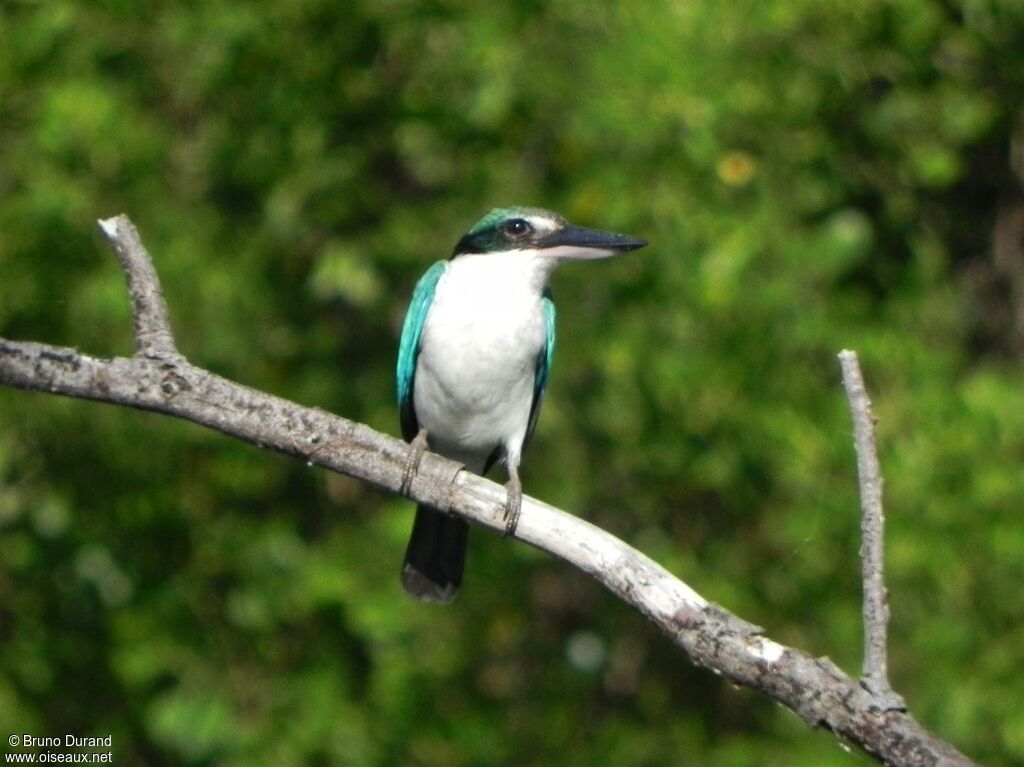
x: 577, y: 242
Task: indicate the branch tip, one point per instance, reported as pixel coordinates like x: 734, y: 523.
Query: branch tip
x: 110, y: 225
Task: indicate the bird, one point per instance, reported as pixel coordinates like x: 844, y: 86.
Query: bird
x: 473, y: 364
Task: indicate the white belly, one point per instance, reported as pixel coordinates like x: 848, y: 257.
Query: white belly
x: 478, y: 359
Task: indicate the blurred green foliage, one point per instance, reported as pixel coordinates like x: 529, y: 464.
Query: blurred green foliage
x: 811, y: 176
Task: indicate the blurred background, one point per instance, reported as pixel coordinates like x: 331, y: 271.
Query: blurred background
x: 811, y: 176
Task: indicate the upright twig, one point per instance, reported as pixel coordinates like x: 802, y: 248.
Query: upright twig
x: 157, y: 378
x: 872, y: 526
x: 150, y: 320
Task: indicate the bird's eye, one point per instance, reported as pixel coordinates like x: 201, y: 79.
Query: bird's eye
x: 516, y: 227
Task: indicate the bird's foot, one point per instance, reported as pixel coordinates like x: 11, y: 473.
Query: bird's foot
x: 513, y: 504
x: 412, y: 461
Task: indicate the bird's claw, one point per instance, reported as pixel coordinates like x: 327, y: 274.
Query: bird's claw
x: 513, y: 506
x: 412, y: 461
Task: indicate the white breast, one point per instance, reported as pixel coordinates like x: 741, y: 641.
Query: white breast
x: 478, y: 354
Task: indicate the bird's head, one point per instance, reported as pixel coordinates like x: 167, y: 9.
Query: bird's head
x: 543, y: 232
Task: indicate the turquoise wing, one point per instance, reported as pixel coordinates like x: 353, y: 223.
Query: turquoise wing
x: 547, y: 354
x: 409, y: 346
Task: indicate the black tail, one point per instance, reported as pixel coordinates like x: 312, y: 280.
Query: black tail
x: 435, y: 557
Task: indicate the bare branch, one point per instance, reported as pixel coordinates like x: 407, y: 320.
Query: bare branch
x: 872, y: 526
x: 158, y: 379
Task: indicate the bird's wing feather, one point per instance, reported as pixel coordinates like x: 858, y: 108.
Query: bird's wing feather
x: 540, y: 378
x: 409, y: 347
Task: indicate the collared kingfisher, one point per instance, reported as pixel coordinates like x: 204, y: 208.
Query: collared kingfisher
x: 473, y: 363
